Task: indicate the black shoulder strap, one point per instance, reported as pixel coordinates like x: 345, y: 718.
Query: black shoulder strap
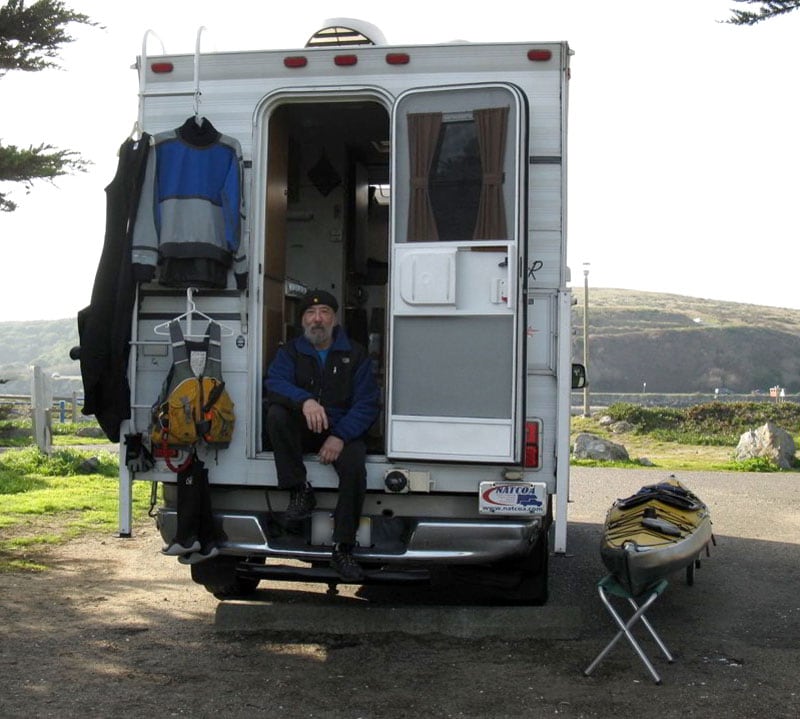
x: 181, y: 369
x: 213, y: 366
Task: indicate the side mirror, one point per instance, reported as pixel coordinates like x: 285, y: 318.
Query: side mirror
x: 578, y: 376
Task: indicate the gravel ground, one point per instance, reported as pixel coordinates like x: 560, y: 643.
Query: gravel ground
x: 115, y: 628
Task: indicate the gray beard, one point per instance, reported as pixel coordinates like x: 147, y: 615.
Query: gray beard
x: 317, y: 335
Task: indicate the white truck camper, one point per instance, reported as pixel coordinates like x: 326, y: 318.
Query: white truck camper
x: 425, y: 187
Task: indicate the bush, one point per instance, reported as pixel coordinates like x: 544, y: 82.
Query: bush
x: 739, y: 417
x: 646, y: 419
x: 713, y: 423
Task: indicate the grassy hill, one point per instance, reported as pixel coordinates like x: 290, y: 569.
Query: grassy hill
x: 685, y: 344
x: 672, y: 342
x: 43, y: 342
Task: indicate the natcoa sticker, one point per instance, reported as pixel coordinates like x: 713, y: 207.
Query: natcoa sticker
x: 512, y: 497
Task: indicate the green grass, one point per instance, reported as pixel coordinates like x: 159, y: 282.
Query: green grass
x: 47, y: 500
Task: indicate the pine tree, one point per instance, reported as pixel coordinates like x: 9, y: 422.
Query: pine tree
x: 769, y: 9
x: 30, y: 39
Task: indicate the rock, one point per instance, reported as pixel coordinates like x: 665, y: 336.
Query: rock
x: 89, y: 466
x: 645, y: 462
x: 605, y: 421
x: 590, y: 446
x: 768, y: 441
x: 89, y: 432
x: 621, y: 427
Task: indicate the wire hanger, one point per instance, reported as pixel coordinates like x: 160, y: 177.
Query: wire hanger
x: 191, y: 312
x: 197, y: 93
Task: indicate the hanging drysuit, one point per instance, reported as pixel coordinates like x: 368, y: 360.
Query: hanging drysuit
x: 189, y: 223
x: 104, y: 327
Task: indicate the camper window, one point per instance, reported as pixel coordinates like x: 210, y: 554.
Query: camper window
x: 454, y: 185
x: 460, y: 197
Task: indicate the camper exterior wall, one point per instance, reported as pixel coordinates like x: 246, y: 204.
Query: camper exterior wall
x: 236, y: 87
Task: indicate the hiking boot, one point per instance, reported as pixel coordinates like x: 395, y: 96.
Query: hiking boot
x: 301, y: 502
x: 345, y: 564
x: 176, y: 548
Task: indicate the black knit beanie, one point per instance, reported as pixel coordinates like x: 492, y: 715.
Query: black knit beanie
x: 318, y: 297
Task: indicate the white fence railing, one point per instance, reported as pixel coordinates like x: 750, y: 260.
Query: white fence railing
x: 67, y: 407
x: 44, y: 406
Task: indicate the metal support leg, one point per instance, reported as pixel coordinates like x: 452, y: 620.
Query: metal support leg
x: 656, y: 638
x: 607, y: 586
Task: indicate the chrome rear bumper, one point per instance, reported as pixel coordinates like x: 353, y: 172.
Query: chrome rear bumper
x: 430, y: 541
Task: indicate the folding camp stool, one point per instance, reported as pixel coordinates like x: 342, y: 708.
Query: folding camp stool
x: 610, y: 586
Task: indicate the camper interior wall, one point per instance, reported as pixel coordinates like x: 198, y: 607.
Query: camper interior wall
x: 315, y: 230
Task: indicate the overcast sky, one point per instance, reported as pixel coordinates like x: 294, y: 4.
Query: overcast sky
x: 684, y: 145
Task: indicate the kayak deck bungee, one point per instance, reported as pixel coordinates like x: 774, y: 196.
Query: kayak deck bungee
x: 661, y: 529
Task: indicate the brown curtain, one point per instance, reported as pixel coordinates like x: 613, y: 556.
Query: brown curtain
x: 423, y: 134
x: 491, y: 128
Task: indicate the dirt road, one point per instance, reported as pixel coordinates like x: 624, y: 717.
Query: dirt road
x: 117, y: 629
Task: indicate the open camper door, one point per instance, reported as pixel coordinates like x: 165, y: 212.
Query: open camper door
x: 458, y: 241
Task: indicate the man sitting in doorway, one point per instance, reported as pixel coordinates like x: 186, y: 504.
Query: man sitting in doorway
x: 323, y: 398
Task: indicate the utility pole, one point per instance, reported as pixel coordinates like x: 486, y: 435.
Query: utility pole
x: 586, y: 406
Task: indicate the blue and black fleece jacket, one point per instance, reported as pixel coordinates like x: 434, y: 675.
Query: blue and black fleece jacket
x: 345, y: 385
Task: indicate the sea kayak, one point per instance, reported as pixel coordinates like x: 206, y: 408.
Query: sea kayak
x: 661, y: 529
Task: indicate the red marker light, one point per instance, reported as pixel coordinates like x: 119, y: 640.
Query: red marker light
x: 398, y: 58
x: 539, y: 55
x: 345, y: 60
x: 295, y: 61
x: 162, y: 68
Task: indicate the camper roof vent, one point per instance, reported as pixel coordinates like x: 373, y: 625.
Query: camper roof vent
x: 344, y: 32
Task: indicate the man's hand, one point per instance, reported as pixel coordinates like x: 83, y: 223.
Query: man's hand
x: 330, y: 450
x: 316, y: 418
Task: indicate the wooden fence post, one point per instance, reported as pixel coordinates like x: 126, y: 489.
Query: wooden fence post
x: 41, y: 404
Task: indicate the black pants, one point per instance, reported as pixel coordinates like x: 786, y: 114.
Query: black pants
x: 290, y: 438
